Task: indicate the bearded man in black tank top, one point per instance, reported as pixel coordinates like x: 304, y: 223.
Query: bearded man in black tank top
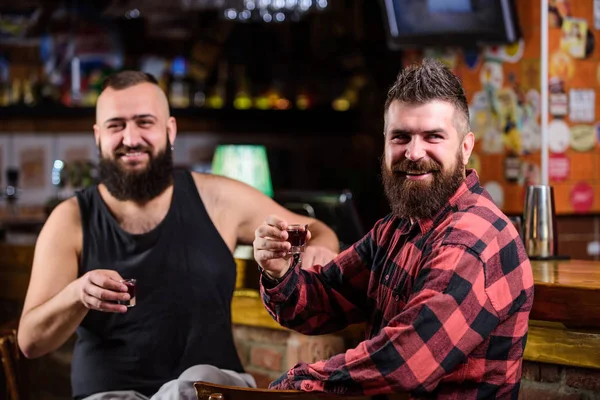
x: 172, y: 230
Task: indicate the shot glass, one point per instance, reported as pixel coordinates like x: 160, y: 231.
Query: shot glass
x: 297, y: 237
x: 130, y: 283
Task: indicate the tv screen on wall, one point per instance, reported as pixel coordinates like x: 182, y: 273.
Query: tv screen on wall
x: 467, y: 23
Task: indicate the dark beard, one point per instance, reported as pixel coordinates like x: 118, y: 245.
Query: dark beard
x: 417, y: 199
x: 138, y: 186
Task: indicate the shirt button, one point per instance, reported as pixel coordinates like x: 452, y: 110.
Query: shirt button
x: 387, y: 277
x: 307, y: 386
x: 397, y: 298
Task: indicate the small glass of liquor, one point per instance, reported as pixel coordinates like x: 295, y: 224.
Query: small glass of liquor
x: 130, y: 283
x: 297, y: 237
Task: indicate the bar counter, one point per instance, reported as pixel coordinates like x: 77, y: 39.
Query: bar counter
x: 564, y: 324
x: 564, y: 321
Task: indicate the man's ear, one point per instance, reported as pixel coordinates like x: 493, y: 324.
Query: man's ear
x: 467, y: 147
x: 172, y: 130
x: 97, y: 134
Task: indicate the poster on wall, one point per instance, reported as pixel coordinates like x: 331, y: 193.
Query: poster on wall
x: 582, y: 107
x: 573, y: 37
x: 508, y: 118
x: 34, y: 155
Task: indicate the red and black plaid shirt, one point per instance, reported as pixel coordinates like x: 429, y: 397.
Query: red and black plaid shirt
x: 446, y: 304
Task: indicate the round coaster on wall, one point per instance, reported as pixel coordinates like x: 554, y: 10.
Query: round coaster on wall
x: 561, y: 66
x: 496, y: 192
x: 582, y: 197
x: 559, y: 136
x: 583, y: 137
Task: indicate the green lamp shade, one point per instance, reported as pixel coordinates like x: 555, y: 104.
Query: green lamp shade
x: 246, y: 163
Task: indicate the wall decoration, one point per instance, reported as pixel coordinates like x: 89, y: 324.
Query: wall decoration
x: 561, y: 66
x: 511, y: 53
x: 471, y: 58
x: 77, y: 147
x: 530, y: 174
x: 583, y: 137
x: 559, y: 136
x: 505, y: 106
x: 34, y: 156
x: 529, y: 73
x: 512, y: 168
x: 559, y: 167
x: 496, y: 192
x: 531, y: 136
x: 558, y: 10
x: 582, y: 105
x: 582, y: 197
x: 558, y: 99
x: 492, y: 142
x: 574, y: 35
x: 491, y: 75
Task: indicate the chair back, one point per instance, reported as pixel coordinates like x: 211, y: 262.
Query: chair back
x: 10, y: 357
x: 211, y: 391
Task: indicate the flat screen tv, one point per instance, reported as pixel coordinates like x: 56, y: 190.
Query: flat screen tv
x: 465, y: 23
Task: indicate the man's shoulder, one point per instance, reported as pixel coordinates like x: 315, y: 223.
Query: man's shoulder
x: 208, y: 180
x: 65, y: 217
x: 478, y: 226
x: 67, y: 208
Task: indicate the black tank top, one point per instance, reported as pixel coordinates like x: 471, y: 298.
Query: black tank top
x: 185, y: 280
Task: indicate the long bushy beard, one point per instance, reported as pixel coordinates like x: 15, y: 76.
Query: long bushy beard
x: 138, y: 186
x: 420, y: 199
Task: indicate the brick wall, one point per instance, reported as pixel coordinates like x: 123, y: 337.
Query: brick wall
x: 553, y: 382
x: 268, y: 353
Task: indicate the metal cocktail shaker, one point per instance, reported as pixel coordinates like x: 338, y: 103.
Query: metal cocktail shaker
x: 539, y: 222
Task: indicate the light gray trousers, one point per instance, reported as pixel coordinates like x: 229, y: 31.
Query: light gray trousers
x: 182, y: 388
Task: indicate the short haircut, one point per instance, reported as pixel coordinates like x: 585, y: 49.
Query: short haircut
x: 428, y: 81
x: 125, y: 79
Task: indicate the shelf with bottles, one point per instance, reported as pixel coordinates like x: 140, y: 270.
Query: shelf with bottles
x: 227, y: 119
x: 231, y: 99
x: 188, y: 85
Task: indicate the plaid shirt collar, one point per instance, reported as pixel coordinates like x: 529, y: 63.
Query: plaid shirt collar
x: 426, y: 224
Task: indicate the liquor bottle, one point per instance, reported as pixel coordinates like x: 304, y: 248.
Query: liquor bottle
x: 242, y: 100
x: 218, y: 95
x: 179, y: 87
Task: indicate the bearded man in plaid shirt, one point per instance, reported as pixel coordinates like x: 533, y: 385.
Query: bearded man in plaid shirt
x: 443, y: 283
